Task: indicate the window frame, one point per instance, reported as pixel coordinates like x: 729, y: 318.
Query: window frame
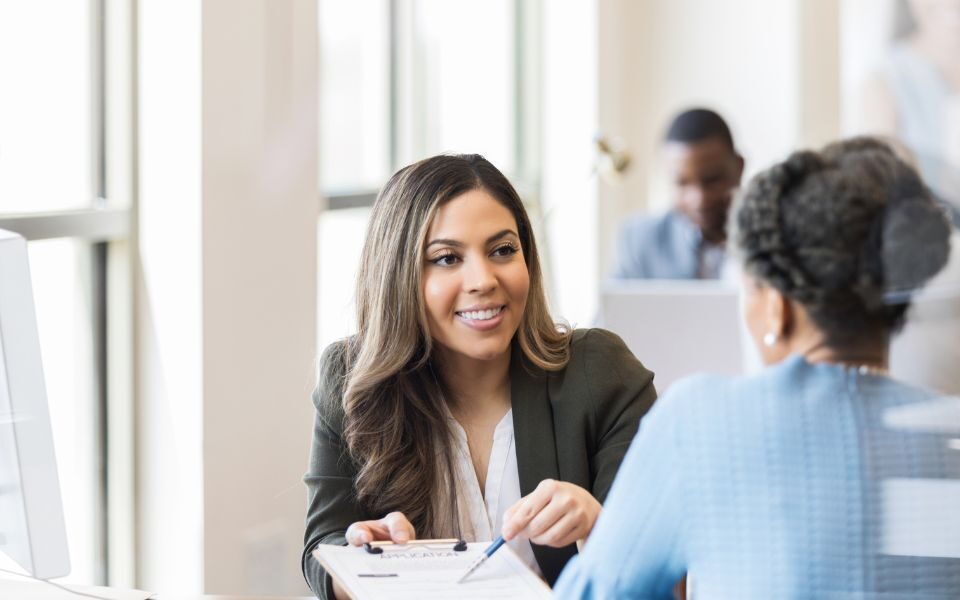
x: 527, y: 122
x: 107, y: 226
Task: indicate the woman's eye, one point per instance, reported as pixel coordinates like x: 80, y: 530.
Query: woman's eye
x: 505, y: 250
x: 445, y: 261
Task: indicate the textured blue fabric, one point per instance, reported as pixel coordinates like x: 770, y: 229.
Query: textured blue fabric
x: 772, y: 486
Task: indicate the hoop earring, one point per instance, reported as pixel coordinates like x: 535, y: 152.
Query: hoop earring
x: 770, y: 339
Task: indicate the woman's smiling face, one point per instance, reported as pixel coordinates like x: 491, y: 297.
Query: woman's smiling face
x: 475, y: 279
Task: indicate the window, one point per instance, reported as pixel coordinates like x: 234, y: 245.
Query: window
x: 402, y: 80
x: 458, y: 78
x: 354, y: 94
x: 46, y: 119
x: 59, y: 190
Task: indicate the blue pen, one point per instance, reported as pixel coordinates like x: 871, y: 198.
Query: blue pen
x: 483, y: 557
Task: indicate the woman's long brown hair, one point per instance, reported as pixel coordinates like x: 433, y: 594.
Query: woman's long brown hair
x: 395, y: 422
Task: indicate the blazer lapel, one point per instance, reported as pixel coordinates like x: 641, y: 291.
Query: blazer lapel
x: 536, y: 446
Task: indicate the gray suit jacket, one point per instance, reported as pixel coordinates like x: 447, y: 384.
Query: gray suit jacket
x: 574, y: 425
x: 663, y: 246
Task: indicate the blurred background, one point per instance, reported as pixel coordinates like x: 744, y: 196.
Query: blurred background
x: 195, y: 178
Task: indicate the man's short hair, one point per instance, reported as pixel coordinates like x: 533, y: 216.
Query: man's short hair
x: 697, y: 125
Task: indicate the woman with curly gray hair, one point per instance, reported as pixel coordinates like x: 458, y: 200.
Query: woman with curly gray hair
x: 821, y: 476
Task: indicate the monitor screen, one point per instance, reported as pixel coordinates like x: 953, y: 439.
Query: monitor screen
x: 678, y: 327
x: 32, y: 529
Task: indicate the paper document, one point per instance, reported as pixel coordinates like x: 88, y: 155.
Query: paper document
x: 418, y: 573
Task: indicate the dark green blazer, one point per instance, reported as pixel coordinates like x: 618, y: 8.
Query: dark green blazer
x: 572, y: 425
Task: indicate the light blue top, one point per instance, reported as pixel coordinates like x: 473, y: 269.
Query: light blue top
x: 805, y: 481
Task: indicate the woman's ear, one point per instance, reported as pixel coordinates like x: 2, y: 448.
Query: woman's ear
x: 778, y: 312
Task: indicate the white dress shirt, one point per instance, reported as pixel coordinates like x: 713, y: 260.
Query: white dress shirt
x: 481, y: 515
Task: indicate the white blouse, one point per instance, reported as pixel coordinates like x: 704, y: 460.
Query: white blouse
x: 481, y: 515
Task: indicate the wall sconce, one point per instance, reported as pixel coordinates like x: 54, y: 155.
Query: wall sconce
x: 612, y: 161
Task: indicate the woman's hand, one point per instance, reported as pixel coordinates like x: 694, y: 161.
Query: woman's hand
x: 555, y: 514
x: 394, y: 527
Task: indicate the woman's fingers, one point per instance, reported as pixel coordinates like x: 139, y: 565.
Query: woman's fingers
x: 399, y: 528
x: 564, y: 531
x: 394, y: 527
x: 359, y: 534
x: 557, y: 509
x: 555, y: 514
x: 518, y: 516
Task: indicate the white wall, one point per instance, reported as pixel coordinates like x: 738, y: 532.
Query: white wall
x: 569, y: 190
x: 227, y: 299
x: 867, y: 27
x: 259, y: 287
x: 168, y: 301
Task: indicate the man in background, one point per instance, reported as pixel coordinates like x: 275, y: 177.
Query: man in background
x: 687, y: 242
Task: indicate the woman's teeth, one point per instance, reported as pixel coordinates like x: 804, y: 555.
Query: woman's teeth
x: 481, y: 315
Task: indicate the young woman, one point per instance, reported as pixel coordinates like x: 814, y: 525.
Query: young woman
x: 821, y: 476
x: 460, y: 408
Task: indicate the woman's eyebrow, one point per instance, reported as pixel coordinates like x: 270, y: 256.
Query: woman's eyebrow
x: 502, y: 234
x: 457, y: 244
x: 446, y: 242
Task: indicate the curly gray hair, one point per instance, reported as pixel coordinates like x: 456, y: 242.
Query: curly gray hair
x: 849, y: 232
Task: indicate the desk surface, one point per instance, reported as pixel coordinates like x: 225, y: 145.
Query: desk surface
x: 194, y: 597
x: 38, y: 590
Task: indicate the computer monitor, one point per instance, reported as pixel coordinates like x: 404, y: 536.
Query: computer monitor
x: 32, y: 530
x: 678, y: 328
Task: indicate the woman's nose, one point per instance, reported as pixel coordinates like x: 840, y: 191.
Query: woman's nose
x: 479, y: 276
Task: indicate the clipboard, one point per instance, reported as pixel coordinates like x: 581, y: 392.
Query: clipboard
x: 429, y: 569
x: 443, y: 543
